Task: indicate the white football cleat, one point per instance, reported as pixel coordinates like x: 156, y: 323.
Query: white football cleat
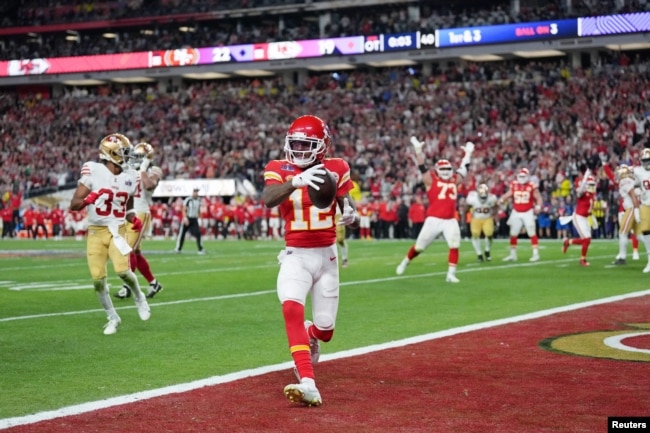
x: 314, y: 344
x: 304, y: 392
x: 143, y: 308
x: 535, y: 258
x: 111, y: 327
x: 510, y: 258
x: 635, y: 255
x: 647, y: 268
x: 452, y: 279
x: 401, y: 267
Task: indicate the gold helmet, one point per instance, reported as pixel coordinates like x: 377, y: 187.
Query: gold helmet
x: 645, y: 158
x: 623, y: 171
x: 115, y: 148
x: 140, y: 151
x: 483, y: 191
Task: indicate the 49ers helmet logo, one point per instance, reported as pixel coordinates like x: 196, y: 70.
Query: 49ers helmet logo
x: 625, y: 345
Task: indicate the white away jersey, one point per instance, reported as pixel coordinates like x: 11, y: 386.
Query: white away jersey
x: 643, y: 180
x: 143, y: 199
x: 114, y: 191
x: 481, y: 210
x: 626, y: 189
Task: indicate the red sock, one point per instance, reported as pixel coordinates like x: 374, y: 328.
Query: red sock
x: 143, y: 267
x: 412, y: 253
x: 513, y: 241
x: 133, y: 262
x: 635, y: 241
x: 453, y: 256
x: 585, y: 247
x: 534, y: 240
x: 294, y: 323
x: 577, y: 241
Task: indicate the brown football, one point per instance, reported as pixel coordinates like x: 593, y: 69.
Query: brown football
x: 323, y: 197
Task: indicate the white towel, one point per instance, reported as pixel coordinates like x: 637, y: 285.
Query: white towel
x: 120, y: 243
x: 566, y: 219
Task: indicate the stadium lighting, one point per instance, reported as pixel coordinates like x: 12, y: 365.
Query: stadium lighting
x: 132, y: 80
x: 254, y: 73
x: 391, y: 63
x: 331, y: 67
x: 481, y: 58
x: 85, y: 82
x: 540, y: 53
x: 109, y: 35
x: 205, y: 76
x: 632, y: 46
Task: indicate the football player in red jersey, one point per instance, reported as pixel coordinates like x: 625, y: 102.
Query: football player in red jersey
x: 526, y: 202
x: 442, y: 190
x: 585, y: 192
x: 309, y: 263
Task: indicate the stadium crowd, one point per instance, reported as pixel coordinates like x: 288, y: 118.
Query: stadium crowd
x: 544, y: 116
x: 207, y: 23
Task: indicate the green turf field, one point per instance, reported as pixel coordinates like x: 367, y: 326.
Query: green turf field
x: 219, y: 313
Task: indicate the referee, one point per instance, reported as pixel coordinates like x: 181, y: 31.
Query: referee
x: 190, y: 222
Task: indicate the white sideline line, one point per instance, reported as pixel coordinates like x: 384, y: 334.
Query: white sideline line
x: 216, y: 380
x: 265, y: 292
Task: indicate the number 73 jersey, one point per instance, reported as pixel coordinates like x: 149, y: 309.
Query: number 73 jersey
x: 305, y: 225
x: 114, y: 191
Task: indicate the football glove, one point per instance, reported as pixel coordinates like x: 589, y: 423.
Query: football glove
x: 349, y: 215
x: 637, y: 215
x: 91, y: 198
x: 417, y: 144
x: 136, y: 224
x: 309, y: 178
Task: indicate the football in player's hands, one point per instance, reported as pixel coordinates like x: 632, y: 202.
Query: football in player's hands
x: 323, y: 197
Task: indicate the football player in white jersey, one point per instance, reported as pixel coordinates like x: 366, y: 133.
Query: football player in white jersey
x: 642, y: 175
x: 630, y: 218
x: 140, y: 160
x: 106, y: 190
x: 484, y: 207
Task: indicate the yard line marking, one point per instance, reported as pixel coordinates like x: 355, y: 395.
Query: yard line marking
x: 342, y: 284
x: 231, y: 377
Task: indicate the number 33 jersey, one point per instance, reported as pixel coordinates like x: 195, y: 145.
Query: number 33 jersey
x: 114, y: 191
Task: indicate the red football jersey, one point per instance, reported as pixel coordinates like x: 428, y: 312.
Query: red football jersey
x: 305, y: 225
x: 523, y: 197
x: 584, y: 202
x: 442, y: 197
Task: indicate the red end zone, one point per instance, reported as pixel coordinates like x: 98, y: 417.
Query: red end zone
x: 563, y: 373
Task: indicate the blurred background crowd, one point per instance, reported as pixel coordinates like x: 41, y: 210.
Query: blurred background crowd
x: 545, y: 115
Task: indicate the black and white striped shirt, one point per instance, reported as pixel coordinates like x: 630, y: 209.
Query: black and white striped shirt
x: 192, y: 207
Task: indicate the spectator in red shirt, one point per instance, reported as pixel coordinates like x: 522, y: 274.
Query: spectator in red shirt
x: 57, y: 217
x: 417, y: 214
x: 7, y: 217
x: 29, y: 220
x: 40, y: 215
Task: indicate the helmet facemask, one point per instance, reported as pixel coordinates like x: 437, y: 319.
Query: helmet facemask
x: 115, y: 148
x: 483, y: 192
x: 307, y: 141
x: 444, y: 169
x: 523, y: 176
x: 304, y: 151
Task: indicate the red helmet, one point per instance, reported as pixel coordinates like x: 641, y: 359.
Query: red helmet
x: 523, y: 175
x: 308, y: 140
x: 444, y: 169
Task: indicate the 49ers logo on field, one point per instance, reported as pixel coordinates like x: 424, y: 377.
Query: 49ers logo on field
x: 625, y: 345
